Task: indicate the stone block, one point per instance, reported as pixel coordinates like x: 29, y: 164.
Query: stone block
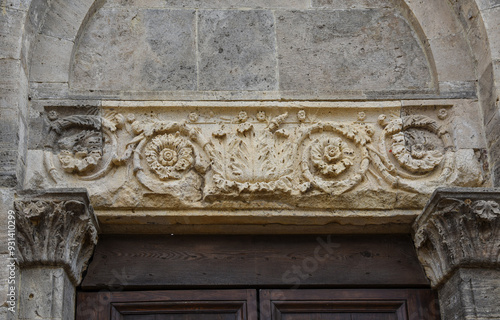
x: 492, y: 128
x: 13, y: 86
x: 46, y: 293
x: 237, y: 50
x: 9, y: 129
x: 51, y: 59
x: 467, y: 130
x: 471, y: 294
x: 435, y: 17
x: 132, y: 49
x: 487, y: 94
x: 8, y: 160
x: 477, y: 38
x: 491, y: 18
x: 213, y: 4
x: 65, y: 17
x: 18, y: 4
x: 8, y: 179
x: 6, y: 204
x: 496, y: 174
x: 351, y: 4
x: 11, y: 32
x: 460, y: 67
x: 374, y: 49
x: 458, y: 89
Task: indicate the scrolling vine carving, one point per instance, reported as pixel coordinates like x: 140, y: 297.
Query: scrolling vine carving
x: 255, y: 151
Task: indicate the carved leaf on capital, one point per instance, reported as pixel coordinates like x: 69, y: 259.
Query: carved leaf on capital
x: 459, y: 233
x: 55, y: 233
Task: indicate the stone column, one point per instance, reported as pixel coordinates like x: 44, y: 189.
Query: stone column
x: 56, y: 236
x: 458, y: 243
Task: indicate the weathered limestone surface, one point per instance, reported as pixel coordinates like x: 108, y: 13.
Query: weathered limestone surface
x: 302, y: 51
x: 155, y: 51
x: 56, y: 228
x: 330, y: 51
x: 56, y: 235
x: 471, y: 293
x: 195, y: 158
x: 47, y: 293
x: 237, y: 50
x: 458, y: 243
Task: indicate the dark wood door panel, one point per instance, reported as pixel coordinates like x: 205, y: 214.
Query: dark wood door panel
x: 352, y: 304
x: 340, y: 316
x: 168, y: 305
x: 141, y: 261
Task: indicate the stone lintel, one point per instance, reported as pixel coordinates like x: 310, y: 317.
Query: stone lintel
x: 459, y: 228
x: 55, y: 227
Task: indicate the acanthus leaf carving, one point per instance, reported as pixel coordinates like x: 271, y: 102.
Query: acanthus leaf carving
x: 55, y: 232
x: 458, y: 232
x: 261, y: 151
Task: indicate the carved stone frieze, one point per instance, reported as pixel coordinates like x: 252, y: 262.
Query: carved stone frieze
x: 459, y: 228
x: 197, y: 155
x: 57, y: 229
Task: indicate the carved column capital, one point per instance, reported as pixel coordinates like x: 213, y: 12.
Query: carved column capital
x: 56, y: 228
x: 459, y: 227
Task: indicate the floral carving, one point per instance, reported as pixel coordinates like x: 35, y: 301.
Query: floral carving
x: 168, y: 155
x: 413, y: 147
x: 331, y: 156
x: 56, y: 232
x: 417, y: 157
x: 459, y: 228
x: 487, y: 210
x: 236, y: 151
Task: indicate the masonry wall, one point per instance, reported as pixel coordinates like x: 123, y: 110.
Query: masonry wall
x: 60, y: 53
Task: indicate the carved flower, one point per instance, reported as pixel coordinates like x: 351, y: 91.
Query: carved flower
x: 261, y: 116
x: 193, y: 117
x: 442, y: 114
x: 168, y: 155
x: 301, y: 115
x: 487, y: 210
x: 382, y: 120
x: 53, y: 115
x: 244, y: 127
x: 331, y: 156
x: 242, y: 116
x: 417, y: 158
x: 361, y: 116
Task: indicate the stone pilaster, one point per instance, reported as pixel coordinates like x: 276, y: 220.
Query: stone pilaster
x: 458, y: 243
x: 56, y: 236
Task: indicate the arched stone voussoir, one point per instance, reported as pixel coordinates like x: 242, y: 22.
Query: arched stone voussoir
x: 57, y: 24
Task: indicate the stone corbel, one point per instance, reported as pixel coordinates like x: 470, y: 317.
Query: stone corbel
x: 459, y: 228
x: 56, y: 228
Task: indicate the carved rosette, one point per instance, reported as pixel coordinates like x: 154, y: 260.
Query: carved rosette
x: 458, y: 228
x: 167, y: 153
x: 414, y: 153
x: 57, y: 233
x: 336, y: 159
x: 195, y: 155
x: 331, y: 156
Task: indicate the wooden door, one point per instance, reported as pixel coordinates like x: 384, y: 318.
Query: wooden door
x: 348, y: 304
x: 168, y: 305
x: 301, y: 304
